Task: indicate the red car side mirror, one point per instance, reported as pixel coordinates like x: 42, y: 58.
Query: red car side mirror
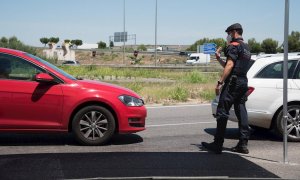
x: 44, y: 77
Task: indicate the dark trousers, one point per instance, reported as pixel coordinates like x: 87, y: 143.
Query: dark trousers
x: 233, y: 93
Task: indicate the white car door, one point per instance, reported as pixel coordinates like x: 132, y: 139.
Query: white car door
x: 268, y: 94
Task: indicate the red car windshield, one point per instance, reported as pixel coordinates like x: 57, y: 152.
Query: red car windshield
x: 52, y: 66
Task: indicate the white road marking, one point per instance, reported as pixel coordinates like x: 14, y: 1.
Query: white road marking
x: 180, y: 124
x: 176, y: 106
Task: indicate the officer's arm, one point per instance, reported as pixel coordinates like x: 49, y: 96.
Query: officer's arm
x: 218, y: 57
x: 220, y: 60
x: 227, y: 70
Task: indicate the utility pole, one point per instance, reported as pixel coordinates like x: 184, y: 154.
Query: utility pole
x: 124, y: 35
x: 155, y: 32
x: 285, y: 79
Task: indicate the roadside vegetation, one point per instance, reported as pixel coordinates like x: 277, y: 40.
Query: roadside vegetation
x: 268, y: 45
x: 15, y: 43
x: 155, y: 86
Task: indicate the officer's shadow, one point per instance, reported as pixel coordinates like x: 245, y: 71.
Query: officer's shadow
x: 256, y: 134
x: 233, y: 133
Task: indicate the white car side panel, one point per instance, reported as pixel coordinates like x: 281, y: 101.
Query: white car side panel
x: 267, y: 96
x: 265, y: 100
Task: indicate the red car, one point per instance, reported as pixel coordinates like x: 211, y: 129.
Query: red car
x: 36, y: 96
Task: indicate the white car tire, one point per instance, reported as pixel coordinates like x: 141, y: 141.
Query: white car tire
x: 293, y: 123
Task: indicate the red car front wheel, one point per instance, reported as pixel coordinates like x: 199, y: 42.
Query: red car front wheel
x: 93, y: 125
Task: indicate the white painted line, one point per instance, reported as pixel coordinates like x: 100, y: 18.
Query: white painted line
x: 180, y: 124
x: 176, y: 106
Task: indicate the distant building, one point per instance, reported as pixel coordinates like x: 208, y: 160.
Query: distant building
x: 88, y: 46
x: 61, y: 54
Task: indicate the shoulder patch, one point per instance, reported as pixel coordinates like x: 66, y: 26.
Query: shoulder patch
x: 235, y: 43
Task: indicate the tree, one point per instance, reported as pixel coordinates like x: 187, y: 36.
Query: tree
x: 111, y: 44
x: 294, y: 42
x: 54, y: 40
x: 142, y: 47
x: 13, y: 39
x: 255, y: 47
x: 269, y: 46
x: 101, y: 45
x: 44, y: 40
x: 77, y: 42
x: 15, y: 43
x: 4, y: 40
x: 67, y: 40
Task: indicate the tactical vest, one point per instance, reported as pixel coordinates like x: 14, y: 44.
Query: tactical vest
x: 241, y: 65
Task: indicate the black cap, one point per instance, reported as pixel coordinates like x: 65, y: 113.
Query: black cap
x: 234, y: 27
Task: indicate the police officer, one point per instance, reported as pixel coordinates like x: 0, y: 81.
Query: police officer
x: 234, y: 85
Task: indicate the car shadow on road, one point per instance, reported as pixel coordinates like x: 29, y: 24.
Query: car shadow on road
x: 259, y: 134
x: 129, y: 164
x: 29, y: 139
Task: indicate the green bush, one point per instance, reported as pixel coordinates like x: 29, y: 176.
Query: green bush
x: 179, y: 94
x: 101, y: 45
x: 14, y: 43
x: 142, y: 47
x: 207, y: 94
x: 195, y: 77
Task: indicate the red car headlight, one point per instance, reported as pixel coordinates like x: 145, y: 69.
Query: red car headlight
x: 131, y: 101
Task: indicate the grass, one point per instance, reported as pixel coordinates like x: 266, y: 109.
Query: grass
x: 155, y: 86
x: 179, y: 93
x: 95, y: 71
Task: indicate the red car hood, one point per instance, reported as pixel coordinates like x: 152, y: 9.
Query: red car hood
x: 102, y: 86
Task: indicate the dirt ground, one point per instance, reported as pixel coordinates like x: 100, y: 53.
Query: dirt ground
x: 110, y: 57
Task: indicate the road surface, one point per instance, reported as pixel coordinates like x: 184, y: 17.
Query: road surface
x: 170, y: 147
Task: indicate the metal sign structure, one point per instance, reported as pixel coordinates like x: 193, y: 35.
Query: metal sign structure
x: 120, y: 38
x: 200, y: 48
x: 209, y: 48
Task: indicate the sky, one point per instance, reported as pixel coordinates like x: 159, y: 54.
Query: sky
x: 179, y: 22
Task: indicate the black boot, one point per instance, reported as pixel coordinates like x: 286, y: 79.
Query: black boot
x: 217, y: 145
x: 214, y: 147
x: 241, y: 147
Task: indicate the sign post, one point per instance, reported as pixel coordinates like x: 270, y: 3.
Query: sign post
x: 124, y: 35
x: 285, y: 80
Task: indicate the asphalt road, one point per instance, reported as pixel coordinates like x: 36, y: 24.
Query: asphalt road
x: 170, y: 147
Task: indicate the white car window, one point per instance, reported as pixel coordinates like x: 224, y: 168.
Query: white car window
x: 297, y: 75
x: 275, y: 70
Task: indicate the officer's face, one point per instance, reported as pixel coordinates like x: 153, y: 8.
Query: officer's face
x: 231, y: 33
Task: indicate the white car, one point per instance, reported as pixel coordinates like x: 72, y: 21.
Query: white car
x: 71, y: 62
x: 198, y: 58
x: 264, y: 105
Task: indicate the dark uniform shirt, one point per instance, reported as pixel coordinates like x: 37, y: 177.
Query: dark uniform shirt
x: 239, y: 52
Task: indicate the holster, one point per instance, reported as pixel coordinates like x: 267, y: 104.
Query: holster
x: 232, y: 83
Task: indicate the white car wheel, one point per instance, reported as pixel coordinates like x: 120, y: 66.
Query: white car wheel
x: 293, y: 123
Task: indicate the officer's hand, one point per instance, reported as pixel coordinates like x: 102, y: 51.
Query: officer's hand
x: 219, y: 49
x: 218, y: 89
x: 218, y: 52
